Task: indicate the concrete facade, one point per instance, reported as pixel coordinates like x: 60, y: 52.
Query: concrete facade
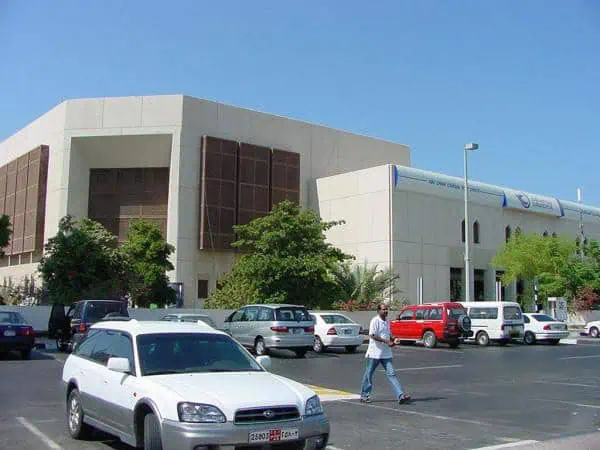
x: 412, y: 219
x: 166, y: 131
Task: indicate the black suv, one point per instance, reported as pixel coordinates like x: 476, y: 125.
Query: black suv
x: 67, y: 329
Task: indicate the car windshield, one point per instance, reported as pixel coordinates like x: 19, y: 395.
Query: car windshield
x: 96, y: 311
x: 455, y: 313
x: 168, y: 353
x: 291, y: 314
x: 9, y: 317
x: 335, y: 318
x: 512, y: 313
x: 543, y: 318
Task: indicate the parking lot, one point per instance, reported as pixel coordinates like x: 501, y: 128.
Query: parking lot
x: 467, y: 398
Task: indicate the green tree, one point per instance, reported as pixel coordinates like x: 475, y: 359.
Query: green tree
x: 361, y: 287
x: 5, y: 232
x: 81, y: 261
x: 146, y: 256
x: 285, y: 259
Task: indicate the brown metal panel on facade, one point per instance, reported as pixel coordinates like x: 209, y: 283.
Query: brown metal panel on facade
x: 254, y: 180
x: 119, y: 196
x: 218, y: 179
x: 285, y: 177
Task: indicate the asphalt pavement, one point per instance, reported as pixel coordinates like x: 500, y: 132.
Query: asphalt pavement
x: 470, y: 398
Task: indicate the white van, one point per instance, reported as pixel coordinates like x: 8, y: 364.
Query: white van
x: 498, y: 322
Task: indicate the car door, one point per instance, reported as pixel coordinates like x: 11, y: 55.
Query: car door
x: 403, y: 328
x: 248, y: 326
x: 235, y: 323
x: 118, y: 389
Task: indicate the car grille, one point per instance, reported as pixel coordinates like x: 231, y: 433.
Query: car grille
x: 262, y: 415
x: 296, y: 445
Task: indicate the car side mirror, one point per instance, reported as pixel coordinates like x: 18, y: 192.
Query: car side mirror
x: 119, y: 365
x: 264, y: 361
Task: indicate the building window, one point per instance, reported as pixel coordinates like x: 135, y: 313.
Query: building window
x: 499, y: 275
x: 476, y: 232
x: 479, y: 285
x: 202, y: 289
x: 507, y: 232
x: 462, y: 230
x: 456, y: 282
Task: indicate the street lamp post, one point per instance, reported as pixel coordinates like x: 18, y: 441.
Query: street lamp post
x: 468, y: 147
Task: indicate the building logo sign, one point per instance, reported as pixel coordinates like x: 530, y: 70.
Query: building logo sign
x: 524, y: 199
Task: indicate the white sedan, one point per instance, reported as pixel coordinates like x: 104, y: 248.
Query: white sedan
x: 540, y: 327
x: 336, y: 330
x: 593, y: 328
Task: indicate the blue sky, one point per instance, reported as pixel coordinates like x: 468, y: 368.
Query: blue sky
x: 522, y: 78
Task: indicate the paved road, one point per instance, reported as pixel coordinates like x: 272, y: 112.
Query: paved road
x: 468, y: 398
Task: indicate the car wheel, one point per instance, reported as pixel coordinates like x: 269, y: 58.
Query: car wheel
x: 318, y: 346
x: 26, y: 354
x: 429, y: 339
x: 351, y: 348
x: 259, y: 347
x: 554, y: 341
x: 454, y: 344
x: 77, y: 428
x: 483, y: 339
x: 300, y: 352
x: 594, y: 332
x: 529, y: 338
x: 152, y: 439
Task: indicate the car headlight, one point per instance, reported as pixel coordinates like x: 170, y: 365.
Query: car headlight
x: 313, y: 406
x: 199, y: 413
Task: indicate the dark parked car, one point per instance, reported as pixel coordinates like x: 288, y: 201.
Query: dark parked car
x: 67, y: 329
x: 16, y: 334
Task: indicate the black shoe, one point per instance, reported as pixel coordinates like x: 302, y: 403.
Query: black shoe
x: 404, y: 399
x: 366, y: 399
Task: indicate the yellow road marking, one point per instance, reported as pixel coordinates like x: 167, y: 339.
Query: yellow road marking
x: 327, y: 394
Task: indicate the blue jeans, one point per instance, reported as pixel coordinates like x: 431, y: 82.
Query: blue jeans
x: 367, y: 382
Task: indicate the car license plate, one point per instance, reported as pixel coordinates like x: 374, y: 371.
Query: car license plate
x: 296, y: 330
x: 9, y: 333
x: 273, y: 435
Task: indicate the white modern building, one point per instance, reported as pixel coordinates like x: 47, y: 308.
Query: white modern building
x: 197, y: 168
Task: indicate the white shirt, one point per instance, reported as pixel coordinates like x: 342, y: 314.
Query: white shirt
x: 381, y: 329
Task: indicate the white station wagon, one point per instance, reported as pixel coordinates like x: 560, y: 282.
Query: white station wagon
x: 167, y: 386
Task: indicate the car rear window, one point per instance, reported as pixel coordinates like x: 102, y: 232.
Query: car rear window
x: 9, y: 317
x: 96, y: 311
x: 483, y: 313
x: 512, y: 313
x: 455, y: 313
x: 335, y: 318
x: 542, y: 318
x: 291, y: 314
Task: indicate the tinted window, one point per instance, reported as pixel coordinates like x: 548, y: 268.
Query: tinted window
x: 512, y: 313
x: 11, y: 317
x: 96, y: 311
x: 77, y: 310
x: 291, y: 314
x: 435, y: 314
x: 335, y: 318
x: 251, y: 314
x: 101, y: 351
x: 406, y: 315
x: 265, y: 315
x: 420, y: 314
x: 237, y: 316
x: 483, y: 313
x: 526, y: 319
x: 455, y: 313
x: 121, y: 347
x: 541, y: 318
x: 192, y: 353
x: 86, y: 345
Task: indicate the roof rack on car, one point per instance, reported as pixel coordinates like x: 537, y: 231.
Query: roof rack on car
x: 115, y: 319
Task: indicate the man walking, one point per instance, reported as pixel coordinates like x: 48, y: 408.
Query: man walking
x: 380, y: 352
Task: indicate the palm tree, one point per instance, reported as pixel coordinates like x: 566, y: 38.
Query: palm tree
x: 363, y: 285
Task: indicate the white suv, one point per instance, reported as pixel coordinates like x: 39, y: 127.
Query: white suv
x: 165, y: 386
